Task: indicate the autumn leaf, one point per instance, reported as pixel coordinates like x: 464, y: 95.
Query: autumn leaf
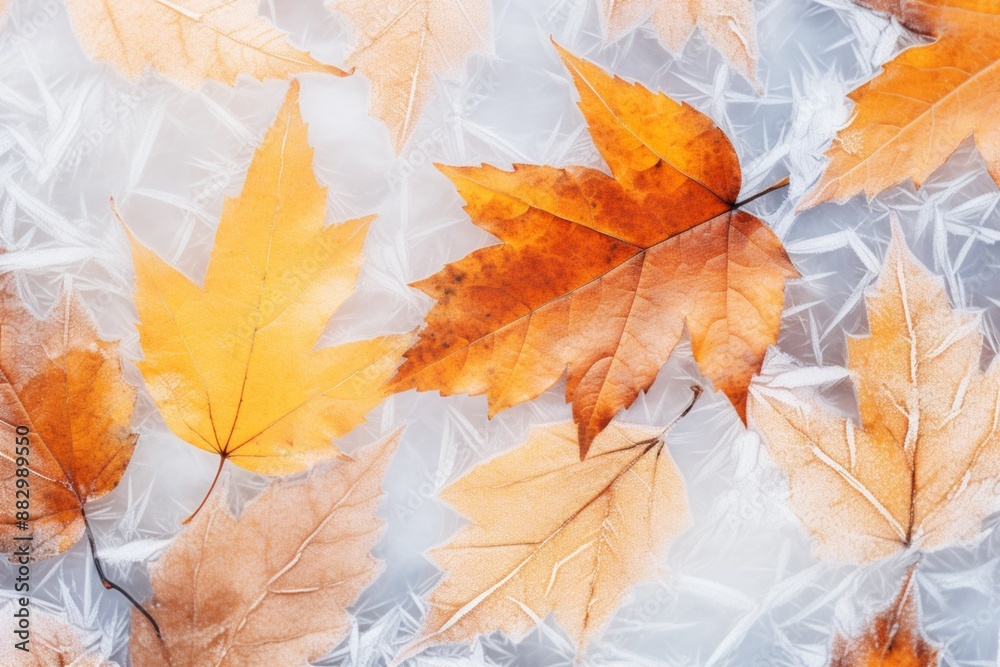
x: 402, y: 45
x: 920, y: 469
x: 188, y: 41
x: 597, y: 277
x: 65, y: 413
x: 232, y: 365
x: 730, y: 25
x: 53, y: 643
x: 892, y: 640
x: 269, y: 587
x: 553, y: 534
x: 912, y: 117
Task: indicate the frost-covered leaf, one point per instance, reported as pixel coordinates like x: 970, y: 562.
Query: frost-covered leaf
x: 53, y: 642
x: 553, y: 534
x: 731, y: 25
x: 188, y: 41
x: 62, y: 386
x: 268, y: 587
x: 892, y: 638
x: 401, y: 45
x: 912, y: 117
x: 921, y: 468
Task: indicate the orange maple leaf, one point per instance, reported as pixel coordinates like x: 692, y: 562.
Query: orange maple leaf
x: 65, y: 413
x: 912, y: 117
x: 893, y: 638
x: 598, y: 276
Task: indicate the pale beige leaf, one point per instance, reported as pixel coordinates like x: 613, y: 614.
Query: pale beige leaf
x: 188, y: 41
x: 402, y: 45
x: 553, y: 534
x: 268, y: 588
x: 922, y: 467
x: 730, y: 25
x: 53, y: 643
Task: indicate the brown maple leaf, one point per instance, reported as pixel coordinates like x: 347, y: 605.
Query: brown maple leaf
x: 553, y: 534
x: 893, y: 638
x: 188, y: 41
x: 912, y: 117
x: 597, y: 276
x: 401, y: 45
x: 52, y: 643
x: 920, y: 470
x: 269, y: 587
x: 65, y: 413
x: 730, y: 25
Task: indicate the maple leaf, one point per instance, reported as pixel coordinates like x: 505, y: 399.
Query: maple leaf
x: 553, y: 534
x: 912, y: 117
x: 53, y: 643
x: 730, y: 25
x: 188, y: 41
x: 232, y: 365
x: 892, y: 640
x: 920, y: 470
x: 401, y: 45
x: 65, y: 413
x: 269, y: 587
x: 597, y: 277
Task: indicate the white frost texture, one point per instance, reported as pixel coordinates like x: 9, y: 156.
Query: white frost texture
x: 743, y: 588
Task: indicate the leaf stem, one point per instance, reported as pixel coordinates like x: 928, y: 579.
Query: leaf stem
x: 107, y: 583
x: 696, y: 392
x: 218, y: 471
x: 783, y: 183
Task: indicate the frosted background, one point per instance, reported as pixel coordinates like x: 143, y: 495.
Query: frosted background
x: 742, y: 587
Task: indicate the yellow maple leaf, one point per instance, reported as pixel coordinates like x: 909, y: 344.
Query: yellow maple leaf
x: 401, y: 45
x: 912, y: 117
x: 188, y: 41
x: 730, y: 25
x: 553, y: 534
x: 232, y: 365
x: 921, y: 468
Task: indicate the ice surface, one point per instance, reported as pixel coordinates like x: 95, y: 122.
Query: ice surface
x: 742, y: 587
